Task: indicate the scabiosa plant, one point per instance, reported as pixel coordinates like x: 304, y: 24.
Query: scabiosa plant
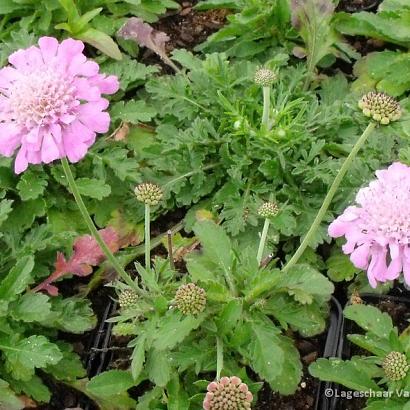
x: 128, y: 298
x: 378, y: 228
x: 190, y: 299
x: 266, y: 210
x: 395, y: 366
x: 51, y: 103
x: 389, y: 104
x: 150, y: 195
x: 265, y: 78
x: 51, y: 107
x: 229, y: 393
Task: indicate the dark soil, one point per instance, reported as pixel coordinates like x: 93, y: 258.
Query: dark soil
x: 354, y: 6
x: 400, y: 314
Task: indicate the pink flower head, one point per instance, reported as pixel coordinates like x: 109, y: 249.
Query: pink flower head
x: 378, y: 229
x: 50, y: 103
x: 228, y: 393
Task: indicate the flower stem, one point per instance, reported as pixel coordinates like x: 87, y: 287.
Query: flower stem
x: 328, y: 199
x: 147, y: 237
x: 90, y: 224
x: 266, y: 108
x: 219, y: 357
x: 262, y: 242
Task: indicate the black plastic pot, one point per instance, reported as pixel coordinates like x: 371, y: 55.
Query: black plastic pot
x: 98, y: 357
x: 331, y: 349
x: 344, y: 350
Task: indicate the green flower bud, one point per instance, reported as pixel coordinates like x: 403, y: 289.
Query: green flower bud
x: 381, y: 107
x: 395, y: 366
x: 149, y: 194
x: 190, y: 299
x: 128, y: 298
x: 264, y: 77
x: 268, y: 210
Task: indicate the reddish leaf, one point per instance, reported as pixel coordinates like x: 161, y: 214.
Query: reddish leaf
x: 86, y: 254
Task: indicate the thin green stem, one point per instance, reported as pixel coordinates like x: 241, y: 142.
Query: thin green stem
x: 328, y: 199
x: 90, y: 224
x: 147, y: 224
x: 219, y: 357
x: 266, y: 108
x: 262, y: 241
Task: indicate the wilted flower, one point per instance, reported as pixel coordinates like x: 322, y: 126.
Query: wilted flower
x: 149, y: 194
x: 355, y: 298
x: 264, y: 77
x: 268, y: 210
x: 50, y: 103
x: 378, y: 229
x: 381, y: 107
x: 190, y: 299
x: 128, y: 298
x: 229, y: 393
x: 395, y: 366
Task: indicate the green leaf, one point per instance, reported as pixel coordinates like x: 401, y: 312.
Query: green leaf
x: 347, y: 373
x: 306, y: 284
x: 177, y: 397
x: 23, y: 356
x: 173, y: 328
x: 370, y: 319
x: 339, y: 267
x: 5, y: 209
x: 230, y: 316
x: 158, y: 367
x: 34, y: 388
x: 93, y: 188
x: 101, y: 41
x: 70, y: 367
x: 132, y: 111
x: 31, y: 185
x: 8, y: 399
x: 17, y: 279
x: 267, y: 356
x: 215, y: 242
x: 31, y: 307
x: 138, y: 357
x: 110, y: 383
x: 371, y: 343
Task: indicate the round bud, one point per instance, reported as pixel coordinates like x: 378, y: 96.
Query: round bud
x: 128, y: 298
x: 264, y: 77
x: 268, y: 210
x: 395, y: 366
x: 190, y: 299
x: 229, y: 393
x: 381, y: 107
x: 149, y: 194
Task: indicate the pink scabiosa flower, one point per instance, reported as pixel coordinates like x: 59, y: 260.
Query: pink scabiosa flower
x: 378, y: 229
x: 229, y: 393
x: 50, y: 103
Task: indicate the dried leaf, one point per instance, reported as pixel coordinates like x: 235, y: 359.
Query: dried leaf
x: 86, y: 254
x: 146, y: 36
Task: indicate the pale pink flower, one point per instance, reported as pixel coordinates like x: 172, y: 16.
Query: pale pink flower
x: 378, y: 228
x: 50, y: 103
x: 228, y: 393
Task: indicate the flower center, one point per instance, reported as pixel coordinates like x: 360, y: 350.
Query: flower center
x: 386, y: 212
x: 41, y: 97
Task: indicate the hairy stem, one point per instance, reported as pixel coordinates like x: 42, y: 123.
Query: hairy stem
x: 219, y: 357
x: 147, y: 225
x: 262, y: 241
x: 266, y: 108
x: 328, y: 199
x: 90, y: 224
